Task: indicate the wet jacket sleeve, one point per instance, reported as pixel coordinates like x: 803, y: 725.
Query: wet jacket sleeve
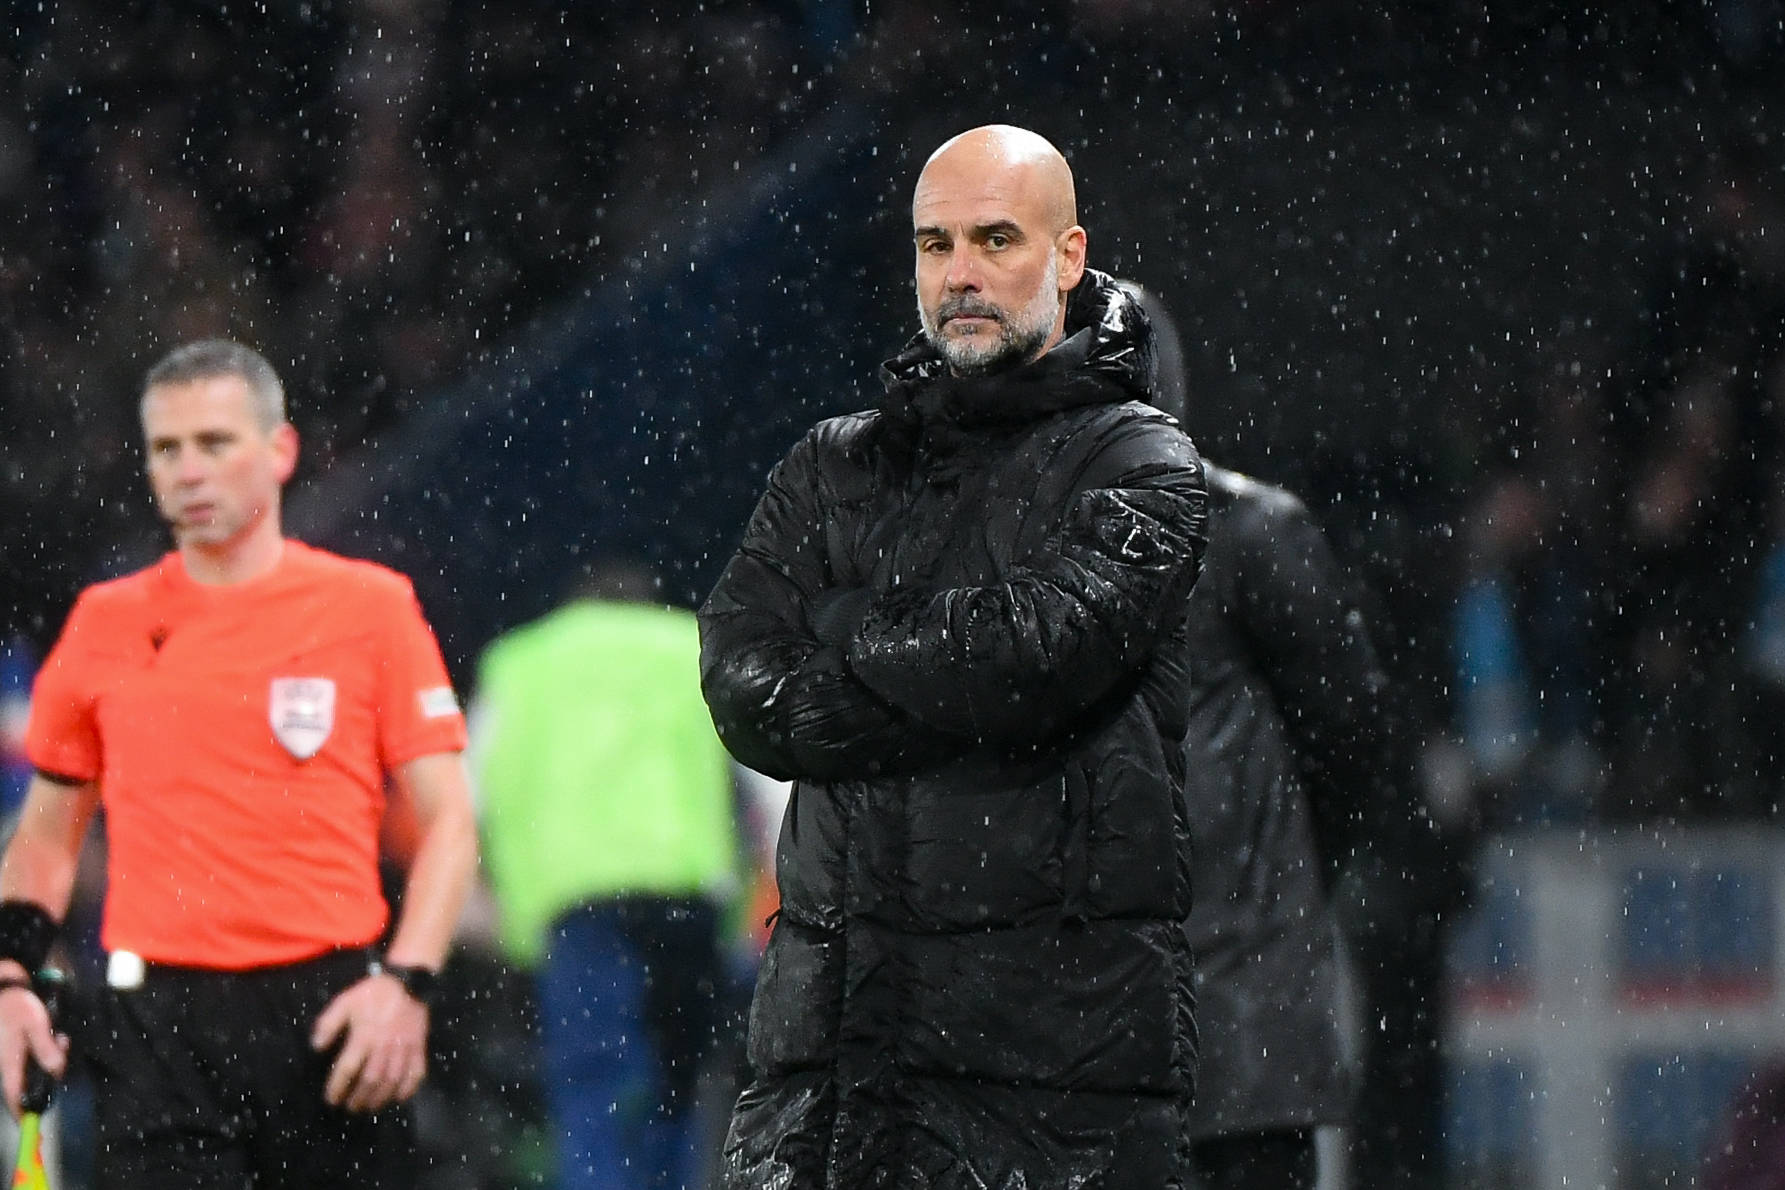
x: 784, y: 701
x: 1305, y: 624
x: 1011, y: 664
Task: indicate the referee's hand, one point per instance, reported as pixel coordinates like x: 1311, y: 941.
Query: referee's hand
x: 25, y: 1029
x: 383, y: 1035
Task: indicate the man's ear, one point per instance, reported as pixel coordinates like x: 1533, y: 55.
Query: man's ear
x: 1070, y: 244
x: 285, y: 445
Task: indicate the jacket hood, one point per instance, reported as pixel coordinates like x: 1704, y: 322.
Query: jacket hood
x: 1171, y: 385
x: 1106, y: 355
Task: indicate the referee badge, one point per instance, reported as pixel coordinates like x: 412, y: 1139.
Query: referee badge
x: 302, y: 712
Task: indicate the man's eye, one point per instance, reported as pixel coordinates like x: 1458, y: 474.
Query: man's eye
x: 997, y: 241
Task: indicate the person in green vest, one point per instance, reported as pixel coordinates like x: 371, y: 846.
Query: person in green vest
x: 611, y: 851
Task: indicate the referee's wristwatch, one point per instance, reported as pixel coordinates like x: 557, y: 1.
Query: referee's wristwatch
x: 420, y: 982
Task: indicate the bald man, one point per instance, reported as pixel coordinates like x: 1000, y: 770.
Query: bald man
x: 955, y: 622
x: 998, y: 245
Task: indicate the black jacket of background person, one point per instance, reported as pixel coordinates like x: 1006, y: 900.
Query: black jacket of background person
x: 1286, y: 722
x: 957, y: 623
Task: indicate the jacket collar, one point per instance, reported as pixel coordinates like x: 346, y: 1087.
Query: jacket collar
x: 1106, y: 356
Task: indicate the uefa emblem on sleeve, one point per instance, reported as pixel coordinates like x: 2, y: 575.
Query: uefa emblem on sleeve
x: 302, y: 712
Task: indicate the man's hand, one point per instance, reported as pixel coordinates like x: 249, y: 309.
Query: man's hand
x: 384, y: 1036
x: 25, y: 1029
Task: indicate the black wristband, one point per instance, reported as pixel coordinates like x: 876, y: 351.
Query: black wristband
x: 26, y: 933
x: 419, y: 982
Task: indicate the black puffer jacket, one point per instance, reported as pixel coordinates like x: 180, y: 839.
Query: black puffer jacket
x: 1287, y: 754
x: 956, y: 623
x: 1298, y: 764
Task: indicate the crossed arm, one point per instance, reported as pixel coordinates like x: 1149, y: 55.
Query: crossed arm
x: 809, y: 680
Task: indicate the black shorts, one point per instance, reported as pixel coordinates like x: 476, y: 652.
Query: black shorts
x: 206, y: 1079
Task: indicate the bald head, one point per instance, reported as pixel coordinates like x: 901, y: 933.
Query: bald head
x: 1004, y: 155
x: 995, y: 223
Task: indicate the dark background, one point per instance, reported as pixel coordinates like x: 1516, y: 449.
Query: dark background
x: 551, y: 281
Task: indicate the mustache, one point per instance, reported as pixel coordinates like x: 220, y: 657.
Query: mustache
x: 967, y: 306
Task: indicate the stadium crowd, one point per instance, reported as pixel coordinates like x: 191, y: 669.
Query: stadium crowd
x: 371, y: 192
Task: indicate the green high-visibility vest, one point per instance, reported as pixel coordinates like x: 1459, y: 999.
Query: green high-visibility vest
x: 597, y: 768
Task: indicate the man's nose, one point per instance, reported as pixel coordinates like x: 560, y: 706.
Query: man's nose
x: 189, y: 467
x: 963, y: 270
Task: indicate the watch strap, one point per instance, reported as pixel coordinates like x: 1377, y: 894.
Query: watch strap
x: 420, y: 982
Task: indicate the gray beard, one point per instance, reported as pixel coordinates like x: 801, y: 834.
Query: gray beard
x: 1015, y: 346
x: 1021, y: 333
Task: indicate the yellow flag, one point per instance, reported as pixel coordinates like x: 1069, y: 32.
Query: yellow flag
x: 29, y: 1173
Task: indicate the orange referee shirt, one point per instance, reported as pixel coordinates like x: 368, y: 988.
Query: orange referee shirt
x: 240, y: 737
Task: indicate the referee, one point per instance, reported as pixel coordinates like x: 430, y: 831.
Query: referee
x: 239, y: 709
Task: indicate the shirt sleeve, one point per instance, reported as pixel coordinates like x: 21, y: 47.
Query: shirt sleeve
x: 62, y: 732
x: 418, y: 713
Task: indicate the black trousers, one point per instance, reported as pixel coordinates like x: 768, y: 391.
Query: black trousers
x: 206, y: 1079
x: 1281, y: 1159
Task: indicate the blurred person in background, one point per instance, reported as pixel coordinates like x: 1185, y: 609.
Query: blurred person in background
x: 1296, y: 765
x: 955, y: 622
x: 1690, y: 548
x: 237, y: 709
x: 611, y: 844
x: 1526, y: 620
x: 1746, y: 1150
x: 1697, y: 445
x: 18, y: 666
x: 1762, y: 652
